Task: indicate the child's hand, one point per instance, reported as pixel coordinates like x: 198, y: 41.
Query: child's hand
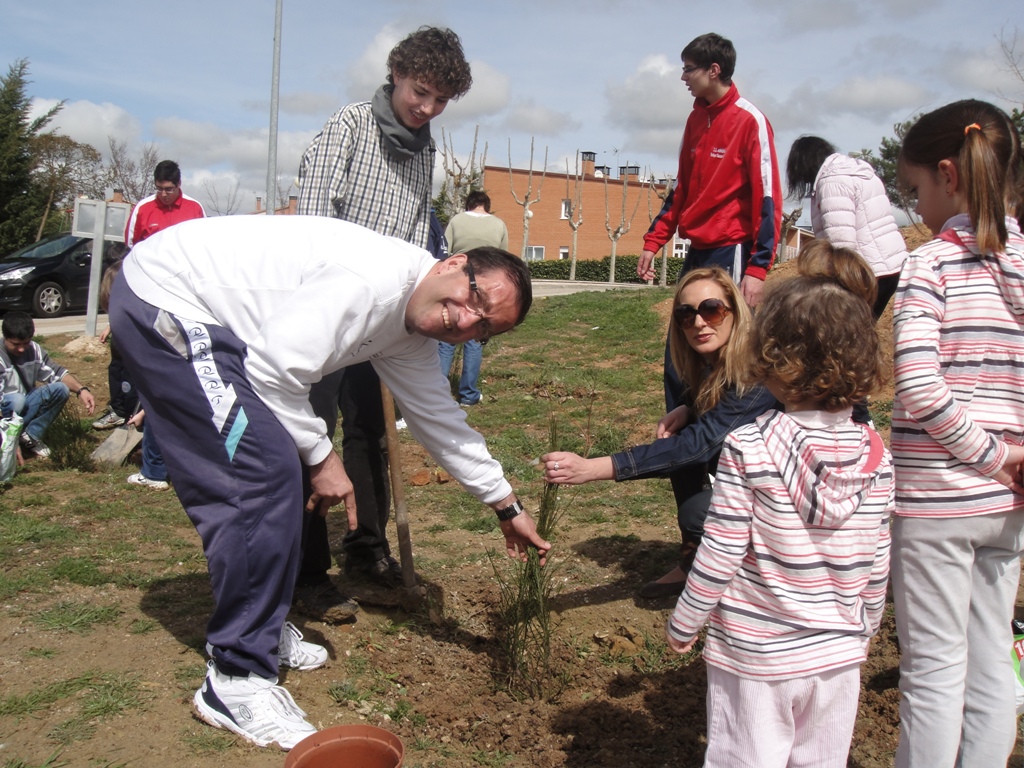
x: 679, y: 647
x: 672, y: 423
x: 137, y: 419
x: 104, y: 335
x: 1010, y: 473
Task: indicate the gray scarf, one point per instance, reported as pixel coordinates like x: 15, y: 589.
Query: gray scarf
x: 401, y: 143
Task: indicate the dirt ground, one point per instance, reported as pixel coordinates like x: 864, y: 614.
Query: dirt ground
x: 430, y: 675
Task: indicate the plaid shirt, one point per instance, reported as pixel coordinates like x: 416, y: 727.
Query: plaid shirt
x: 347, y: 173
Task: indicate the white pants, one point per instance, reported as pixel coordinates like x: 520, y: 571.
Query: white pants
x: 954, y: 584
x: 805, y: 722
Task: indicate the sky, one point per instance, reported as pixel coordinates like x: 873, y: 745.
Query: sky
x: 194, y: 78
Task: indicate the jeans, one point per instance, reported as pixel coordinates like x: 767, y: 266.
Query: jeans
x: 472, y: 356
x: 38, y: 408
x: 153, y: 466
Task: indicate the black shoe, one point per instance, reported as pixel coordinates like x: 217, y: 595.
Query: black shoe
x: 325, y: 603
x: 385, y: 572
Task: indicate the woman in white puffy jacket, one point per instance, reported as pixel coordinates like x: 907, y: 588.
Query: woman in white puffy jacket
x: 849, y: 208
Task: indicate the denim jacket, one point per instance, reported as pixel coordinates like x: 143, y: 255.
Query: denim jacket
x: 699, y: 442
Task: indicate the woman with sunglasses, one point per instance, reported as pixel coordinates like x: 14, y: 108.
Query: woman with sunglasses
x: 708, y: 345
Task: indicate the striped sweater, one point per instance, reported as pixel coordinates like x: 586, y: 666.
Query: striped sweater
x: 959, y: 369
x: 795, y: 557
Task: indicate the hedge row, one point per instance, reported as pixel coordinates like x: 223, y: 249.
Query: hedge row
x: 589, y: 269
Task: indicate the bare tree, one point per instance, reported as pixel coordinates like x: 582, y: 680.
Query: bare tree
x: 526, y: 201
x: 614, y: 233
x: 789, y: 221
x: 1011, y: 56
x: 65, y: 169
x: 224, y: 205
x: 132, y: 175
x: 661, y: 195
x: 574, y: 210
x: 459, y: 178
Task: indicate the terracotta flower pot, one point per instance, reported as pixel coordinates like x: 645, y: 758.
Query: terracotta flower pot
x: 348, y: 746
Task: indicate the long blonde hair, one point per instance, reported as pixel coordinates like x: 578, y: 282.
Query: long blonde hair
x: 728, y: 369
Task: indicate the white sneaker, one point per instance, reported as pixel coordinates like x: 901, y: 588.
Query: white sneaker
x: 296, y: 653
x: 140, y: 479
x: 256, y: 709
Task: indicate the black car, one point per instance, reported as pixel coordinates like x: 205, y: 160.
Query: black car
x: 50, y: 277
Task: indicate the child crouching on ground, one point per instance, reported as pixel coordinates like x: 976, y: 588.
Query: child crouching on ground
x: 793, y: 566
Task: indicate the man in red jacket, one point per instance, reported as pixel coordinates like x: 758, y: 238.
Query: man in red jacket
x: 167, y: 207
x: 727, y: 197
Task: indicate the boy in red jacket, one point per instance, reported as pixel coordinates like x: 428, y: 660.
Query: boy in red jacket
x: 727, y: 197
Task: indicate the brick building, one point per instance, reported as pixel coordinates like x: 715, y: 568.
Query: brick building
x: 550, y: 236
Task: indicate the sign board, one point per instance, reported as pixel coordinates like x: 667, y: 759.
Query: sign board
x: 93, y: 217
x: 84, y: 223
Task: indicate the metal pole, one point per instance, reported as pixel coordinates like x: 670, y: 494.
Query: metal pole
x: 275, y: 86
x: 96, y: 268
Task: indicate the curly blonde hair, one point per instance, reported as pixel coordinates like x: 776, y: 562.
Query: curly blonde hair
x: 815, y: 340
x: 819, y: 258
x: 727, y: 371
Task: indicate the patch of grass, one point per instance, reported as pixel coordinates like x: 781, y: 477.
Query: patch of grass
x: 69, y: 440
x: 881, y: 413
x: 41, y: 653
x: 104, y: 697
x: 75, y: 617
x: 37, y: 500
x: 79, y: 570
x: 42, y: 698
x: 50, y: 762
x: 17, y: 530
x: 402, y: 710
x: 142, y: 626
x: 346, y: 691
x: 496, y: 759
x: 208, y: 740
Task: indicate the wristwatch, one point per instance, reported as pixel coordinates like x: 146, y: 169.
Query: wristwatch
x: 512, y: 510
x: 81, y: 390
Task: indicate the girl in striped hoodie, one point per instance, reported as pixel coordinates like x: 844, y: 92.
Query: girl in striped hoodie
x: 793, y: 565
x: 957, y: 426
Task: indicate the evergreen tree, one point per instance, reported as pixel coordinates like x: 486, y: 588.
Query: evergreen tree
x: 22, y: 200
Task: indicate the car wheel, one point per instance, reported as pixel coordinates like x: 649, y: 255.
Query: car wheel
x: 49, y: 300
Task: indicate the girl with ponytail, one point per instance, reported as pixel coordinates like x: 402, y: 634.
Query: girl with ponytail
x: 957, y: 429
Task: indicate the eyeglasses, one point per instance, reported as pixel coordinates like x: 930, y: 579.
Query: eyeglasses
x: 166, y: 190
x: 691, y: 70
x: 478, y: 305
x: 712, y: 312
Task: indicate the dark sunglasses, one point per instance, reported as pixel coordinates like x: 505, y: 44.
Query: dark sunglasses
x: 712, y: 311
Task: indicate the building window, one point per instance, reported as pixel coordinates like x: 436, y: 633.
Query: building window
x: 563, y: 252
x: 566, y: 209
x: 535, y: 253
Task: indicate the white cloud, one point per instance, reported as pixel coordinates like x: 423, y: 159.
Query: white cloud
x: 538, y: 120
x: 651, y: 97
x: 91, y: 123
x: 488, y: 96
x: 981, y: 69
x: 369, y: 71
x: 878, y: 96
x: 650, y: 107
